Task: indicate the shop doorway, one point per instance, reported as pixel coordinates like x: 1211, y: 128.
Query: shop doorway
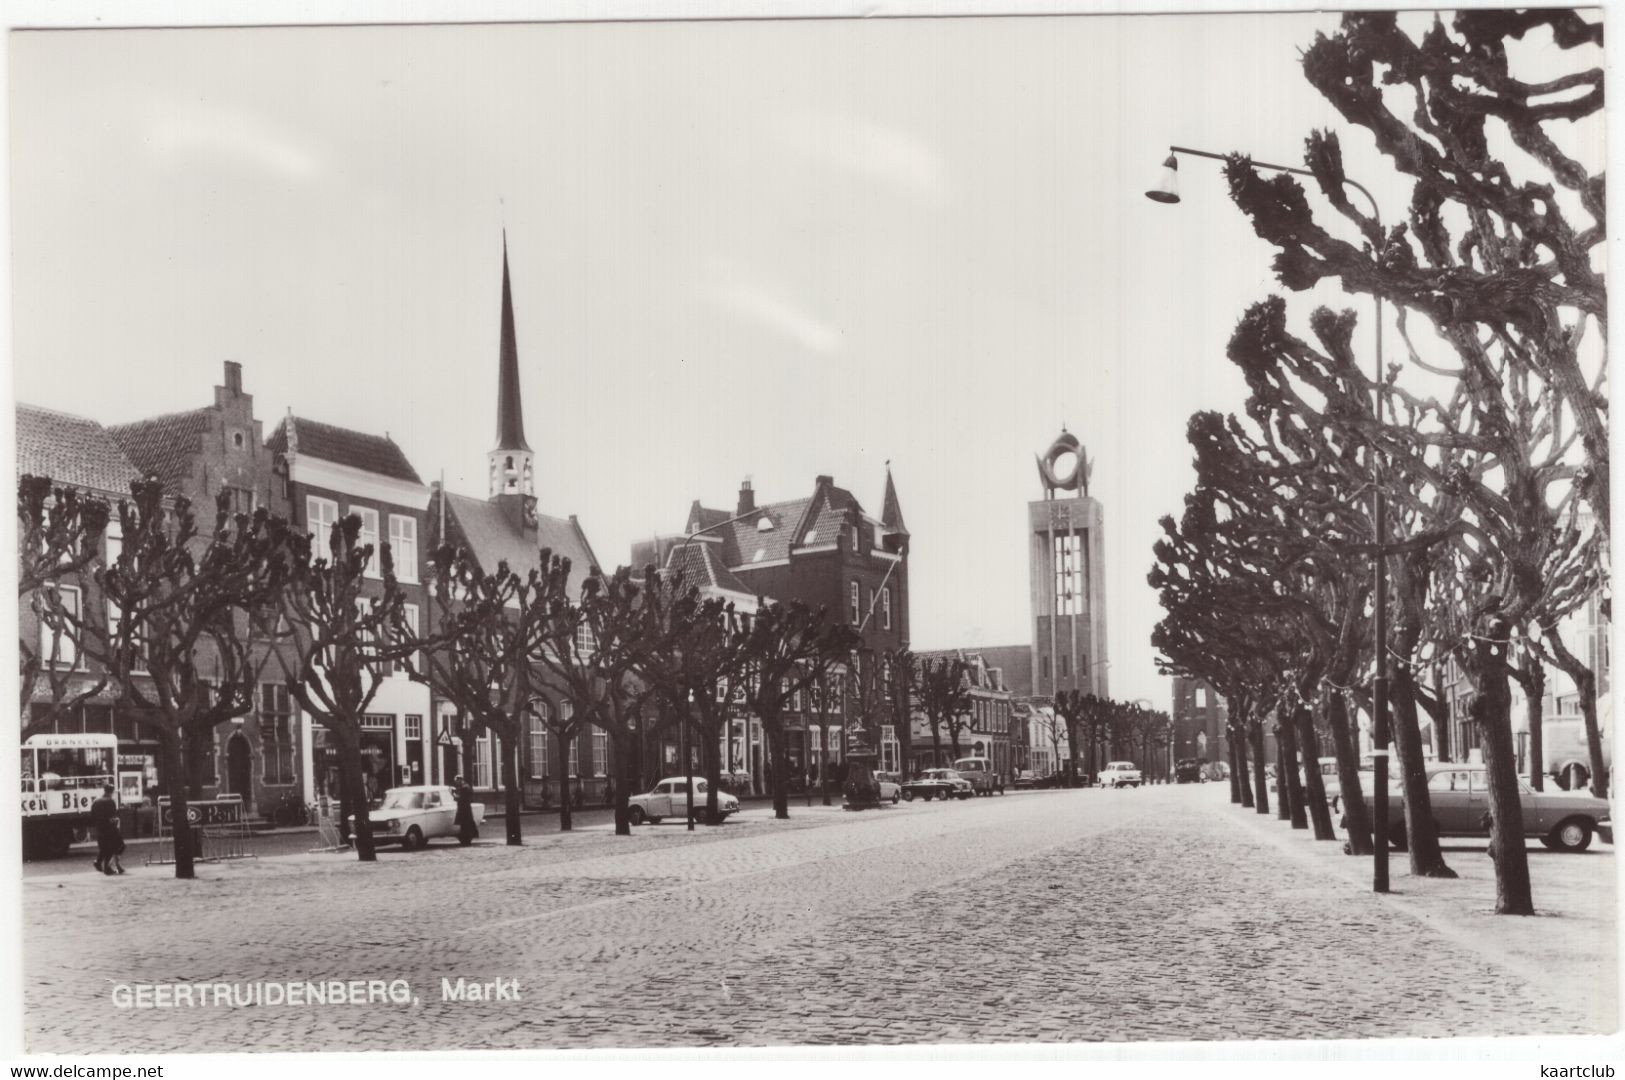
x: 239, y: 769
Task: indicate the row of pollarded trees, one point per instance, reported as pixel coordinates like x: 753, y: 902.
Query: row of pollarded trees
x: 1491, y: 448
x: 180, y: 625
x: 1101, y: 730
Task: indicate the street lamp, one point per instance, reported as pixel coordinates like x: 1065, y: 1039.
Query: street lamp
x: 1168, y: 192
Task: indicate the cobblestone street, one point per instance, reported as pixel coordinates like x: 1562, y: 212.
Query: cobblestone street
x: 1159, y: 913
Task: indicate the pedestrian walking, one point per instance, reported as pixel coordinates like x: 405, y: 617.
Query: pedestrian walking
x: 109, y: 842
x: 466, y: 829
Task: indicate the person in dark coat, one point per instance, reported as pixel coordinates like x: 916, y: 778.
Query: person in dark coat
x: 109, y: 842
x: 467, y: 830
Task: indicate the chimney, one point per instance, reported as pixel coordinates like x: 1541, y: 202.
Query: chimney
x: 234, y: 378
x: 825, y: 481
x: 747, y: 499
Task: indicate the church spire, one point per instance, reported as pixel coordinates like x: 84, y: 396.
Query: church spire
x: 513, y: 479
x: 510, y: 413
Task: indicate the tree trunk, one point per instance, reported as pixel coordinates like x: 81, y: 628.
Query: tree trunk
x: 1531, y: 676
x: 353, y: 790
x: 1283, y: 795
x: 1239, y: 772
x: 1356, y: 815
x: 1585, y: 683
x: 509, y: 749
x: 711, y: 753
x: 1421, y: 831
x: 174, y: 750
x: 1261, y: 782
x: 628, y: 756
x: 780, y: 752
x: 197, y: 749
x: 1439, y: 713
x: 1072, y: 755
x: 565, y: 822
x: 1314, y: 786
x: 936, y: 743
x: 1491, y: 710
x: 1292, y: 780
x: 1235, y: 770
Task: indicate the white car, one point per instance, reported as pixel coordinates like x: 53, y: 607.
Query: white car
x: 412, y: 816
x: 1120, y: 774
x: 670, y: 799
x: 891, y: 786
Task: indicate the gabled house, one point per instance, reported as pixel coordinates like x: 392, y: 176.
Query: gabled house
x: 825, y: 551
x: 323, y: 473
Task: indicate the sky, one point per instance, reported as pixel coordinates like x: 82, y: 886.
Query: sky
x: 745, y: 249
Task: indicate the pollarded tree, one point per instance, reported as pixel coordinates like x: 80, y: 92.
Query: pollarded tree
x: 790, y: 648
x: 944, y: 694
x: 1079, y: 714
x: 902, y: 671
x: 173, y: 629
x: 695, y: 665
x: 59, y: 539
x: 593, y: 648
x: 334, y: 635
x: 478, y: 656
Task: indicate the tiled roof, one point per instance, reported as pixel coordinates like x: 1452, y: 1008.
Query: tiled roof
x: 376, y: 454
x: 165, y: 446
x: 743, y: 539
x: 700, y: 566
x: 1015, y: 662
x: 490, y: 536
x: 72, y: 451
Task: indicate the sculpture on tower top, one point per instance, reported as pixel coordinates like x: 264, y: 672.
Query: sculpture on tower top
x: 1075, y: 479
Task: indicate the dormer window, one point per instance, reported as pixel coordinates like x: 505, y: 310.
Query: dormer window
x: 765, y: 524
x: 812, y: 535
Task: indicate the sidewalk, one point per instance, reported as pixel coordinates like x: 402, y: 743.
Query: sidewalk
x: 1569, y: 947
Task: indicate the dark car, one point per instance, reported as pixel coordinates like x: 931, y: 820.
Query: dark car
x: 1188, y: 771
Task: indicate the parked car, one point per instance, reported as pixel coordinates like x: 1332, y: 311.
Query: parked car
x: 669, y: 798
x: 938, y: 784
x: 1119, y: 774
x: 979, y: 771
x: 1459, y: 795
x: 412, y: 816
x: 1189, y: 771
x: 891, y: 786
x: 1216, y: 770
x: 1024, y: 779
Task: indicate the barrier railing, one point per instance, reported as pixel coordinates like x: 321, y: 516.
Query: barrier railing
x: 330, y: 836
x: 219, y: 831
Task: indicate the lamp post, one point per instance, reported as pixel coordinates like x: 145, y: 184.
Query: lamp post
x: 1168, y: 192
